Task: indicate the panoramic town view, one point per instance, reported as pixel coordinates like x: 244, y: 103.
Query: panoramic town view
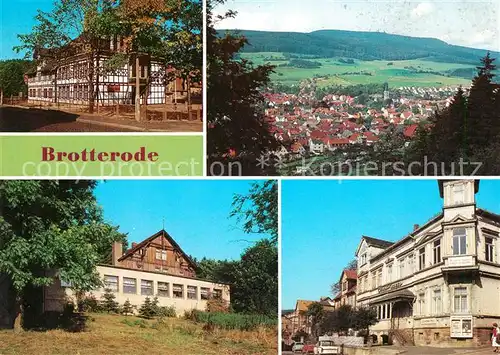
x: 355, y: 84
x: 119, y: 267
x: 417, y: 272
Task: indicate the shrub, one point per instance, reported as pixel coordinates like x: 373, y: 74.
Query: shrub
x: 89, y: 304
x: 150, y: 309
x: 109, y: 304
x: 168, y: 311
x: 232, y: 320
x: 127, y: 308
x: 147, y: 309
x: 217, y: 305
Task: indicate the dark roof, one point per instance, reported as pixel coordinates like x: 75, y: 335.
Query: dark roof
x: 378, y: 242
x: 391, y: 247
x: 284, y: 312
x: 404, y: 294
x: 405, y: 238
x: 146, y: 241
x: 485, y: 213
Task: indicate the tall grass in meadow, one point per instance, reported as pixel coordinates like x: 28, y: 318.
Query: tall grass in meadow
x: 229, y: 321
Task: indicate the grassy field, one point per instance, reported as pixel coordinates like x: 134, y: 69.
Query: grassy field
x: 114, y: 334
x: 333, y: 72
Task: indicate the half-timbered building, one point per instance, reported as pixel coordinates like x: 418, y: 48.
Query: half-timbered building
x: 70, y: 76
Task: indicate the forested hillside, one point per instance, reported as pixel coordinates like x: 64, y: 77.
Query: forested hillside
x: 359, y: 45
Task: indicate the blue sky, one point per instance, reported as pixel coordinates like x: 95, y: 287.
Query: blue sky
x: 196, y: 213
x: 323, y: 221
x: 471, y: 23
x: 17, y: 17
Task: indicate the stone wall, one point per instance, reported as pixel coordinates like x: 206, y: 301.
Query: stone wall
x: 482, y: 336
x: 351, y: 341
x: 440, y: 337
x: 377, y: 350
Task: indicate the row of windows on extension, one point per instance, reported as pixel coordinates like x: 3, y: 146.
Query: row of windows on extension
x: 406, y: 263
x: 163, y: 288
x: 460, y: 303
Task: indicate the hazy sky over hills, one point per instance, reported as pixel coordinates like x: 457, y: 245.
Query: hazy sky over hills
x: 470, y: 23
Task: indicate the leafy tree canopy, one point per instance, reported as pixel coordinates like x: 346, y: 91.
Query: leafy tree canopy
x: 12, y: 76
x: 52, y: 225
x: 258, y: 210
x: 254, y: 277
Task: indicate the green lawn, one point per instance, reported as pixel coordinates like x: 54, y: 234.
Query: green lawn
x: 334, y: 72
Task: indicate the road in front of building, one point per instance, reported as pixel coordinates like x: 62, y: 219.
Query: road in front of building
x: 20, y: 119
x: 419, y: 350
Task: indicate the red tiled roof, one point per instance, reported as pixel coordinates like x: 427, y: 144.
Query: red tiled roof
x: 318, y: 134
x: 410, y: 131
x: 338, y: 141
x: 406, y: 114
x: 351, y: 274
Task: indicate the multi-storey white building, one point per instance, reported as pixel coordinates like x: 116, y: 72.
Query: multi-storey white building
x: 439, y: 285
x: 156, y: 267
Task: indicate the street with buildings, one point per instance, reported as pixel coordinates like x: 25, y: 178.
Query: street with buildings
x: 437, y: 287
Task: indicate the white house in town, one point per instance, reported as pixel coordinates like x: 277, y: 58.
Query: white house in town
x: 439, y: 285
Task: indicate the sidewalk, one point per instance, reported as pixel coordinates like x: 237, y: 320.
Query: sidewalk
x: 419, y: 350
x: 32, y: 119
x: 134, y: 126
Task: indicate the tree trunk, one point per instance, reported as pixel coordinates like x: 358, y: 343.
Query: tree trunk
x: 137, y: 90
x: 1, y: 97
x: 9, y: 304
x: 165, y: 101
x: 97, y: 81
x: 91, y: 81
x: 189, y: 96
x: 55, y: 88
x: 145, y: 96
x: 18, y: 320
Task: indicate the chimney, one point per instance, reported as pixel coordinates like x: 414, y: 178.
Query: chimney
x: 134, y: 244
x: 116, y: 253
x: 415, y: 227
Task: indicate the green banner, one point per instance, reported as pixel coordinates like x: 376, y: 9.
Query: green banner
x: 101, y: 156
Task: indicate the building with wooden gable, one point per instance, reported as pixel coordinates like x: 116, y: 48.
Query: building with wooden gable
x: 155, y: 267
x: 298, y: 320
x: 440, y: 284
x: 158, y: 253
x: 347, y: 291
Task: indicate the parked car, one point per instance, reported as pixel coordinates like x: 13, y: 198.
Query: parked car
x: 308, y: 349
x: 297, y: 347
x: 326, y: 347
